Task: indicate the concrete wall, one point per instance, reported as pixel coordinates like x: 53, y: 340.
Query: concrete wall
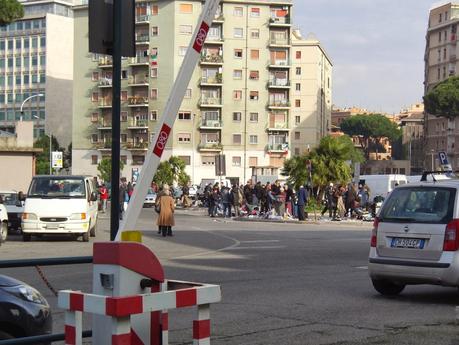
x: 19, y: 170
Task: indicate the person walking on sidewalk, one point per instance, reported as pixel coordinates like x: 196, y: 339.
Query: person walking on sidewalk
x: 302, y: 202
x: 237, y: 199
x: 103, y: 197
x: 166, y: 219
x: 227, y: 200
x: 330, y: 203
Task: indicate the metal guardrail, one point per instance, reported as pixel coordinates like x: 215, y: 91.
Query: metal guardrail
x: 71, y: 260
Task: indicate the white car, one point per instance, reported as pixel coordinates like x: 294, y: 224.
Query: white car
x: 150, y: 198
x: 3, y: 223
x: 415, y: 237
x: 14, y: 207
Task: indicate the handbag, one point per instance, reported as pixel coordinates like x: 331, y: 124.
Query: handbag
x: 158, y: 206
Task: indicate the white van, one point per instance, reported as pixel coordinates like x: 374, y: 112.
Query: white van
x: 382, y: 185
x: 60, y: 205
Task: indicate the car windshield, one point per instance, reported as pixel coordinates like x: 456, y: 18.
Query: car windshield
x: 9, y: 198
x: 57, y: 187
x: 150, y: 191
x: 419, y: 204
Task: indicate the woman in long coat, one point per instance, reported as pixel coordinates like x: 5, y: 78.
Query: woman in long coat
x: 165, y: 219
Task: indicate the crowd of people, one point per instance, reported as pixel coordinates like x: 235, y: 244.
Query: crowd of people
x: 270, y: 200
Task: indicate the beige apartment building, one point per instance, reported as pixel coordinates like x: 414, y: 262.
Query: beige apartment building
x: 36, y: 60
x: 441, y: 62
x: 238, y: 102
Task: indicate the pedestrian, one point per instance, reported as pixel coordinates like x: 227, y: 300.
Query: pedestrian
x: 237, y: 199
x: 351, y: 200
x: 103, y: 197
x: 122, y: 196
x: 329, y: 200
x: 281, y: 202
x: 130, y: 190
x: 302, y: 200
x: 340, y: 207
x: 289, y: 200
x: 165, y: 220
x: 227, y: 198
x: 215, y: 201
x: 264, y: 205
x: 248, y: 195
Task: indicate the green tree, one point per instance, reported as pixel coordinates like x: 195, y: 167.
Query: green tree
x: 170, y: 171
x: 42, y: 162
x: 329, y: 163
x: 10, y: 10
x: 370, y: 129
x: 443, y: 99
x: 105, y: 169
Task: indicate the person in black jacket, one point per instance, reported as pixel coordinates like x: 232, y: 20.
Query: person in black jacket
x: 302, y: 196
x: 122, y: 196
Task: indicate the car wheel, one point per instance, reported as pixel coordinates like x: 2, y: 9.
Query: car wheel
x: 3, y: 232
x: 93, y: 230
x: 5, y: 336
x: 85, y: 236
x: 26, y: 237
x: 386, y: 287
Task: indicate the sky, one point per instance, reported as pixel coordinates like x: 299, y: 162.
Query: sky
x: 376, y: 47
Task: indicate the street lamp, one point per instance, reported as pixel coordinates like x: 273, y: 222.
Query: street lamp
x: 28, y: 98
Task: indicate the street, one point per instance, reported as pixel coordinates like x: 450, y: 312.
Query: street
x: 281, y: 283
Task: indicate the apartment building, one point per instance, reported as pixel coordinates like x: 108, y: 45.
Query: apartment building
x: 441, y: 62
x: 36, y: 59
x: 238, y: 102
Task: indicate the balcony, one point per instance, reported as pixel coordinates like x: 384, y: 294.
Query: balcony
x: 105, y: 62
x: 278, y: 126
x: 277, y: 148
x: 279, y: 63
x: 279, y: 83
x: 103, y: 145
x: 105, y: 103
x: 135, y: 81
x: 140, y: 146
x: 219, y: 18
x: 452, y: 58
x: 279, y: 104
x: 280, y: 21
x: 279, y: 42
x: 210, y: 147
x: 210, y: 102
x: 211, y: 60
x: 139, y: 61
x: 145, y: 19
x: 211, y: 81
x: 211, y: 124
x: 214, y: 40
x: 138, y: 124
x: 105, y: 83
x: 138, y: 101
x: 143, y: 38
x: 104, y: 125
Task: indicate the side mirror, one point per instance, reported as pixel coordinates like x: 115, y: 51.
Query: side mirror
x: 93, y: 196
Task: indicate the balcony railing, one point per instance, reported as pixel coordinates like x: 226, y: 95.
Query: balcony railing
x: 277, y: 125
x: 105, y: 102
x: 211, y: 123
x: 279, y: 20
x: 203, y: 145
x: 212, y: 59
x: 279, y: 82
x: 279, y: 41
x: 138, y: 60
x: 105, y: 82
x: 142, y: 19
x: 105, y: 124
x: 135, y: 80
x: 217, y: 79
x: 142, y: 38
x: 210, y: 101
x: 137, y: 100
x: 279, y: 103
x: 139, y: 123
x: 279, y: 63
x: 136, y: 146
x: 214, y: 39
x: 219, y: 17
x: 105, y: 62
x: 103, y: 145
x: 277, y: 147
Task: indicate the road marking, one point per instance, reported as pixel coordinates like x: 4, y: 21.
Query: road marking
x: 362, y: 267
x: 255, y: 247
x: 260, y: 241
x: 235, y: 244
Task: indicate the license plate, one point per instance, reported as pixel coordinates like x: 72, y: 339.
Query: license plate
x: 52, y: 226
x: 415, y: 243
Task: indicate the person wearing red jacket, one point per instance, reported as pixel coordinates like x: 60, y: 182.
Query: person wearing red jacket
x: 103, y: 196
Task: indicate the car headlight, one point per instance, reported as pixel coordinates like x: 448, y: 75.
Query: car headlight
x: 27, y: 293
x: 78, y: 216
x: 29, y: 216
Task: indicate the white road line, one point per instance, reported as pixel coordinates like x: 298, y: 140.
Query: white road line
x: 362, y: 267
x: 260, y: 241
x: 261, y: 247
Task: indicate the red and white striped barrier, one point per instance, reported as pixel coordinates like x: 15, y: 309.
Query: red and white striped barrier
x: 120, y: 309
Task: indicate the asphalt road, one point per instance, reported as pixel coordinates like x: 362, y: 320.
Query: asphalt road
x: 281, y: 283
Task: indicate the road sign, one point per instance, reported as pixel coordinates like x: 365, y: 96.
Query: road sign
x: 56, y: 161
x: 166, y: 123
x: 443, y: 157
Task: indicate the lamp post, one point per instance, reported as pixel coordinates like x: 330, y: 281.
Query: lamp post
x: 28, y: 98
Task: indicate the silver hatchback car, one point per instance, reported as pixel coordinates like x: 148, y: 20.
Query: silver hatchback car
x: 415, y: 238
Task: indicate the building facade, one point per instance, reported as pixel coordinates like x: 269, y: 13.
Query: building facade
x: 238, y: 102
x: 412, y: 123
x: 441, y: 62
x: 36, y: 59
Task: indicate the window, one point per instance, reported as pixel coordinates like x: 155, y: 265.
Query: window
x: 253, y: 161
x: 186, y: 29
x: 236, y: 161
x: 95, y: 76
x: 297, y: 135
x: 154, y: 10
x: 237, y: 138
x: 298, y: 71
x: 123, y: 138
x: 254, y: 95
x: 238, y: 12
x: 439, y: 36
x: 237, y: 95
x: 254, y: 54
x: 138, y: 160
x: 26, y: 43
x: 154, y: 94
x: 154, y: 72
x: 182, y: 51
x: 208, y: 160
x: 123, y: 116
x: 238, y: 53
x: 298, y: 87
x: 18, y: 83
x: 253, y: 139
x: 297, y: 151
x: 253, y: 117
x: 95, y: 117
x: 237, y: 116
x: 238, y: 33
x: 18, y: 43
x: 42, y: 60
x: 184, y: 137
x: 34, y: 61
x: 237, y: 74
x: 42, y: 41
x: 298, y: 54
x: 297, y: 120
x: 254, y: 75
x: 123, y: 159
x: 153, y: 115
x: 34, y: 42
x: 124, y: 96
x: 184, y: 115
x: 94, y: 138
x: 124, y: 74
x: 255, y: 12
x: 18, y: 62
x: 297, y: 103
x: 255, y: 33
x: 188, y: 93
x: 95, y: 97
x: 154, y: 31
x: 94, y: 159
x: 185, y: 159
x: 26, y: 79
x: 186, y: 8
